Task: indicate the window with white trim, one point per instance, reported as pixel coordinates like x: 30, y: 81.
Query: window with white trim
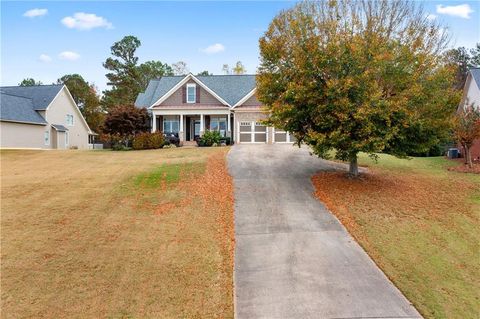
x: 66, y: 139
x: 191, y: 93
x: 219, y: 124
x: 69, y: 119
x: 171, y: 124
x: 47, y: 137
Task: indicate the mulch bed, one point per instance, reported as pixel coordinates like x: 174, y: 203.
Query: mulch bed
x: 463, y: 168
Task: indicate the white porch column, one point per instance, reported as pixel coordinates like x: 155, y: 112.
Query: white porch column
x: 229, y: 129
x: 181, y: 133
x: 154, y: 122
x: 202, y: 128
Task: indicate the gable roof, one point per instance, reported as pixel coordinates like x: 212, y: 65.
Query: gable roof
x: 41, y: 95
x: 18, y: 109
x: 476, y: 75
x: 230, y: 88
x: 156, y: 89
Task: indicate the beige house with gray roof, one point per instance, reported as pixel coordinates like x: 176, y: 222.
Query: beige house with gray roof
x: 41, y: 117
x: 189, y: 105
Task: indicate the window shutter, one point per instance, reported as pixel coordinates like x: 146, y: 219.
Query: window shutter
x: 184, y: 94
x: 197, y: 91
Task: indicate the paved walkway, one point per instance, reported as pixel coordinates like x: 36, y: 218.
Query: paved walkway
x: 293, y: 259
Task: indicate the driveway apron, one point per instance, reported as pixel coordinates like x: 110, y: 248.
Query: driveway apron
x: 293, y: 258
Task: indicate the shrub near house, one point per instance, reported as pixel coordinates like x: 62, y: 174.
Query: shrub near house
x: 210, y: 138
x: 144, y: 141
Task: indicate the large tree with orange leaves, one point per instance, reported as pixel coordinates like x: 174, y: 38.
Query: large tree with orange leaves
x: 357, y: 76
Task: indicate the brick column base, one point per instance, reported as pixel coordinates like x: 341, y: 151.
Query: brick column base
x: 181, y: 137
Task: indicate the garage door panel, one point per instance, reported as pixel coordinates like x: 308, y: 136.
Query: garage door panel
x: 245, y: 127
x: 280, y: 137
x: 245, y: 138
x: 252, y: 132
x: 260, y: 128
x: 260, y: 137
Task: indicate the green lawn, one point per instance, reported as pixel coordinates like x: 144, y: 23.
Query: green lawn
x: 420, y: 223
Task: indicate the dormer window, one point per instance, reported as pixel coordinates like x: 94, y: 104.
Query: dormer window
x: 191, y: 93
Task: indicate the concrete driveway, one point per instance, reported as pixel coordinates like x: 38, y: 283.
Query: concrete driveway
x: 293, y: 258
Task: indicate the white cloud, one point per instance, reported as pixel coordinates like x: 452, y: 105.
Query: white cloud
x: 35, y: 13
x: 214, y: 48
x: 69, y: 55
x: 431, y: 17
x: 45, y: 58
x: 86, y: 21
x: 462, y: 10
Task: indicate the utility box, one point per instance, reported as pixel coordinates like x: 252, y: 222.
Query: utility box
x: 453, y: 153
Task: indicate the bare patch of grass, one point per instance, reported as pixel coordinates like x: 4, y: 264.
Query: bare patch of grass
x: 117, y: 234
x: 419, y: 222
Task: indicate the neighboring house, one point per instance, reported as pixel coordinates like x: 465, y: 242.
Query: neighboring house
x: 471, y: 95
x: 189, y: 105
x: 41, y: 117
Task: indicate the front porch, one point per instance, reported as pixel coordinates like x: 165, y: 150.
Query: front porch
x: 191, y: 124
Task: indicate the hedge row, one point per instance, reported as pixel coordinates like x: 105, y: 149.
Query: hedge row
x: 145, y: 141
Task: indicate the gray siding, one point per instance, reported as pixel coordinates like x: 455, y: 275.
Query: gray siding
x: 252, y: 101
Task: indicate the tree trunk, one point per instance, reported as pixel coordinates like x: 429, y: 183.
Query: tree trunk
x: 468, y: 157
x: 353, y: 168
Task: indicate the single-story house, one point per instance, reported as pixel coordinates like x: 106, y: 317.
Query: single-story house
x: 41, y: 117
x: 189, y: 105
x: 471, y: 95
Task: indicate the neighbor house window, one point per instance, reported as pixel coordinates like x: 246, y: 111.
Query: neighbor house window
x: 69, y: 119
x: 218, y: 124
x: 66, y: 138
x: 47, y: 137
x: 171, y: 124
x: 191, y: 93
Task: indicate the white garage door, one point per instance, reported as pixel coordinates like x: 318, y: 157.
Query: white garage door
x: 252, y: 132
x: 280, y: 136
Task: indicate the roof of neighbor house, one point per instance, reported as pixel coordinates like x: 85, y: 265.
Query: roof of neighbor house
x: 18, y: 109
x: 231, y: 88
x: 59, y: 128
x: 476, y: 75
x: 41, y: 95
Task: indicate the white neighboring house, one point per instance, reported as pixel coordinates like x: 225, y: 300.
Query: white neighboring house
x: 471, y: 95
x: 41, y: 117
x: 471, y: 91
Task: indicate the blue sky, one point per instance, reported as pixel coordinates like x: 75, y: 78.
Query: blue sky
x: 46, y: 40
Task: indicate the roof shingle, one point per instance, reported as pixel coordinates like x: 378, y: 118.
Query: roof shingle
x: 41, y: 95
x: 59, y: 128
x: 476, y: 75
x: 18, y: 109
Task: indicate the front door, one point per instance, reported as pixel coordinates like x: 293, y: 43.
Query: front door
x: 194, y: 129
x: 197, y: 129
